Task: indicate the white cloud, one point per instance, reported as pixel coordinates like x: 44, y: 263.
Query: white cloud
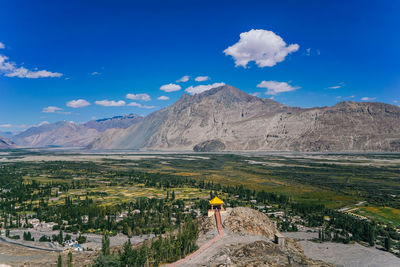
x: 44, y: 123
x: 51, y: 109
x: 110, y: 103
x: 163, y: 97
x: 262, y: 46
x: 170, y: 87
x: 143, y: 97
x: 134, y: 104
x: 149, y: 107
x: 201, y: 78
x: 121, y: 103
x: 2, y: 46
x: 341, y: 84
x: 274, y: 87
x: 255, y: 94
x: 80, y: 103
x: 5, y: 125
x: 395, y: 101
x: 366, y: 98
x: 10, y: 69
x: 183, y: 79
x: 202, y: 88
x: 95, y: 73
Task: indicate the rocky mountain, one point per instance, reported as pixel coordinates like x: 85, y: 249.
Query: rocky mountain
x: 226, y: 118
x: 4, y: 143
x: 116, y: 122
x: 70, y: 134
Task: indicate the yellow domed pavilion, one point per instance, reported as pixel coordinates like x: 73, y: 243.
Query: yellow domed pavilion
x: 216, y: 204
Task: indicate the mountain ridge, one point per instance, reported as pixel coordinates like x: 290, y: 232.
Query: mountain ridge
x: 70, y: 134
x: 240, y: 122
x: 5, y: 143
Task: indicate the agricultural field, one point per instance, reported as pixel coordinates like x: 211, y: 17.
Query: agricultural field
x: 335, y: 180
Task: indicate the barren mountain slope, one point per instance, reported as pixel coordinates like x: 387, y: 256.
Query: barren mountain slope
x: 4, y: 143
x: 70, y: 134
x: 226, y: 118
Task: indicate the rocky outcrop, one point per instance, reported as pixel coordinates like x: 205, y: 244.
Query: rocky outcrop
x: 248, y: 221
x: 248, y: 241
x: 229, y: 119
x: 262, y: 253
x: 209, y: 146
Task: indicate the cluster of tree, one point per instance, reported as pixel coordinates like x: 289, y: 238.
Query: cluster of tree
x: 28, y: 237
x: 163, y: 249
x: 69, y: 260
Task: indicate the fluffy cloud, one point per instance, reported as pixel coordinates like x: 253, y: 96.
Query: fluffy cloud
x: 51, y: 109
x: 121, y: 103
x: 264, y: 47
x: 10, y: 69
x: 2, y: 46
x: 5, y: 125
x: 163, y: 97
x: 201, y: 78
x: 274, y: 87
x: 110, y: 103
x: 44, y: 123
x: 94, y: 73
x: 183, y: 79
x: 134, y: 104
x: 170, y: 87
x: 366, y: 98
x: 80, y: 103
x: 143, y: 97
x: 202, y: 88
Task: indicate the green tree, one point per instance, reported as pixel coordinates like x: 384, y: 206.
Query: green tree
x: 107, y: 261
x: 388, y: 243
x: 60, y: 237
x: 59, y: 261
x: 70, y: 259
x: 105, y: 245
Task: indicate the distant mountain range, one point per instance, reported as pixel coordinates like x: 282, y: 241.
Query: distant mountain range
x: 70, y: 134
x: 227, y: 119
x: 4, y: 143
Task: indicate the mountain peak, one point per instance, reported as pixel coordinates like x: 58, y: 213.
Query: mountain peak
x: 226, y: 94
x: 230, y: 92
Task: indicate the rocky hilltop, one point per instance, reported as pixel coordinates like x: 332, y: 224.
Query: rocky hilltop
x: 227, y: 119
x: 248, y: 241
x: 70, y: 134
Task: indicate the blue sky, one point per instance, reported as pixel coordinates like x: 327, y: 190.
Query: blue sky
x: 54, y: 52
